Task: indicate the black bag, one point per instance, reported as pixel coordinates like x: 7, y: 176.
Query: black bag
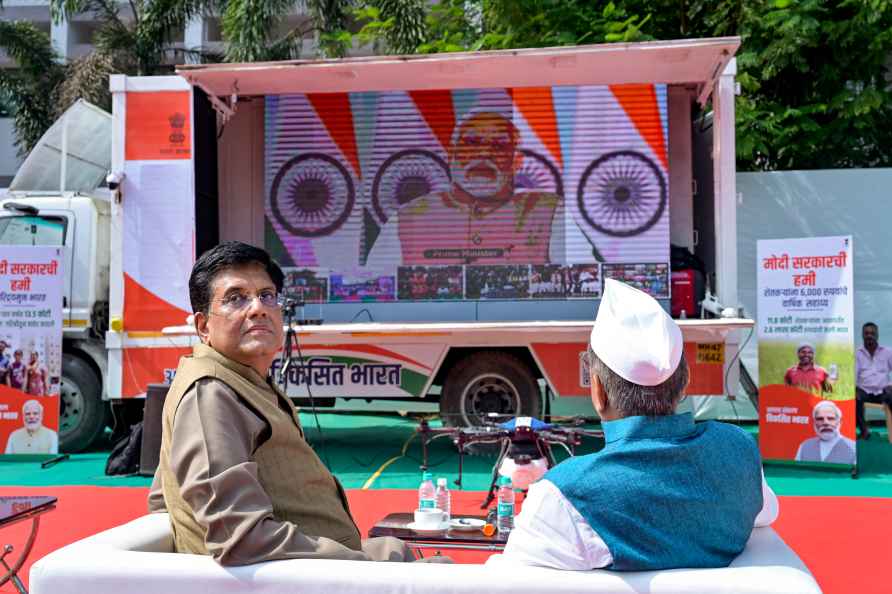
x: 124, y: 457
x: 682, y: 259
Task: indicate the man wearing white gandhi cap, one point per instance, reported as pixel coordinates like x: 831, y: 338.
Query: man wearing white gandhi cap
x: 664, y: 492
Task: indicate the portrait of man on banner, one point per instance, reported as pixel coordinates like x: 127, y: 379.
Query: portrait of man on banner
x: 33, y: 437
x: 828, y: 445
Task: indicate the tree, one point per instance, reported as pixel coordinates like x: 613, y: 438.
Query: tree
x: 248, y: 28
x: 30, y: 88
x: 140, y: 43
x: 41, y: 88
x: 813, y: 72
x: 469, y: 25
x: 815, y: 84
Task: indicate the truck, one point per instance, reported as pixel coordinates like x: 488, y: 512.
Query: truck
x: 444, y: 221
x: 58, y: 197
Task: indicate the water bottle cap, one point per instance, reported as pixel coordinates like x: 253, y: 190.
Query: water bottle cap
x: 441, y: 482
x: 504, y: 480
x: 426, y: 476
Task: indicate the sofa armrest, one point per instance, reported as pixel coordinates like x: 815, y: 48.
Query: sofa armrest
x: 150, y: 534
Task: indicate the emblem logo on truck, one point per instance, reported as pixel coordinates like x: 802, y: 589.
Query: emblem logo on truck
x: 177, y: 123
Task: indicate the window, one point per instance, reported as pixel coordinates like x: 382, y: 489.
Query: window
x: 32, y: 230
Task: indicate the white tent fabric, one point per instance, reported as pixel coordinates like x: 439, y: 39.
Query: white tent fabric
x: 74, y: 155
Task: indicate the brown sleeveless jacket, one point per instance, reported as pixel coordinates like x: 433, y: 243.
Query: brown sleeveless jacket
x: 301, y: 489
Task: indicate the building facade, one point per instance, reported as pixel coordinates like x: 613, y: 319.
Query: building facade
x: 73, y: 39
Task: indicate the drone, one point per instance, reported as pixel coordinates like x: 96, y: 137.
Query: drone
x: 525, y: 443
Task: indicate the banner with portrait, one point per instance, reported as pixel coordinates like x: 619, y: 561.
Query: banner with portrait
x: 468, y: 194
x: 30, y: 348
x: 806, y: 350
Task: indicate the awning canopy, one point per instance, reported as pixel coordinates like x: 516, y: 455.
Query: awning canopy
x: 698, y: 62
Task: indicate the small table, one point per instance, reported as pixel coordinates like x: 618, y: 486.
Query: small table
x: 12, y: 511
x: 396, y: 525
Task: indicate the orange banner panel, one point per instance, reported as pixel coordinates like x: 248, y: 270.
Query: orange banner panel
x: 149, y: 365
x: 563, y: 364
x: 158, y: 126
x: 146, y: 312
x: 12, y: 418
x: 706, y: 363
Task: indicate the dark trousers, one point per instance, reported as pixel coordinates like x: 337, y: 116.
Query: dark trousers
x: 861, y: 397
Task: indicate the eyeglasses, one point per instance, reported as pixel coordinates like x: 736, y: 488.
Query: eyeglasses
x: 236, y: 302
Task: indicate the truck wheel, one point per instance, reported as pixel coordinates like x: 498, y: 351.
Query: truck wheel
x: 489, y: 383
x: 82, y: 414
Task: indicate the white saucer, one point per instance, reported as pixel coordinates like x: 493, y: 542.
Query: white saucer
x: 466, y: 524
x: 413, y: 526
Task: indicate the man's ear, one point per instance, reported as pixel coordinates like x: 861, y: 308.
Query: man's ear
x: 201, y: 325
x: 599, y: 396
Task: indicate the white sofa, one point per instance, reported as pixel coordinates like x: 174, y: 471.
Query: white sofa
x: 137, y: 558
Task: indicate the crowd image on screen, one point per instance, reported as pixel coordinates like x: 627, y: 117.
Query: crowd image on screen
x: 379, y: 288
x: 306, y: 286
x: 430, y: 282
x: 549, y: 281
x: 552, y: 281
x: 498, y: 282
x: 650, y: 278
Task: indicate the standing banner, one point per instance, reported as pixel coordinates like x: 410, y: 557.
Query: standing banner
x: 30, y: 348
x: 806, y: 350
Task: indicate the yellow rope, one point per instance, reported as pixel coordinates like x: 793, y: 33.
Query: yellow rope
x: 378, y: 472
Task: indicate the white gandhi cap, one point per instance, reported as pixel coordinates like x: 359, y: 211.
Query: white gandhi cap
x: 634, y: 336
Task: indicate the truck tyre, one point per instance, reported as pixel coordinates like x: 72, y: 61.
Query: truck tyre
x: 82, y: 414
x: 489, y: 382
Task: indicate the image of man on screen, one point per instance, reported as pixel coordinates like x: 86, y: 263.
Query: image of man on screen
x: 828, y: 445
x: 482, y: 218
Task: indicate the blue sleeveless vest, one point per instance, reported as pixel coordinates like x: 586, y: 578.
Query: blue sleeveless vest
x: 666, y: 493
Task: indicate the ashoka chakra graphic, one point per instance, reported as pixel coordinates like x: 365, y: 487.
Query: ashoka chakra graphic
x: 312, y: 195
x: 405, y: 176
x: 538, y: 174
x: 622, y: 194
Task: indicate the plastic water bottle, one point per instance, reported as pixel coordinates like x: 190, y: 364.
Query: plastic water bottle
x: 427, y: 497
x: 444, y: 499
x: 505, y: 509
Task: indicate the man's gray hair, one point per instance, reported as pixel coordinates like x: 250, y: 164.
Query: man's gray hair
x: 631, y: 399
x: 35, y: 403
x: 826, y: 404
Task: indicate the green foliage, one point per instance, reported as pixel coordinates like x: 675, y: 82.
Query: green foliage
x: 466, y: 25
x: 814, y: 73
x: 248, y: 27
x: 393, y: 26
x: 28, y: 89
x: 815, y: 87
x: 331, y: 21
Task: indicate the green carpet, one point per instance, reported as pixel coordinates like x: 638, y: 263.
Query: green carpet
x: 356, y: 447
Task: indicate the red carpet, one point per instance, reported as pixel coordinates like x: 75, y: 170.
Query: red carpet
x: 843, y: 540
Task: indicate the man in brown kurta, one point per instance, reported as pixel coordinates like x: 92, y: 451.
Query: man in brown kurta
x: 236, y: 475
